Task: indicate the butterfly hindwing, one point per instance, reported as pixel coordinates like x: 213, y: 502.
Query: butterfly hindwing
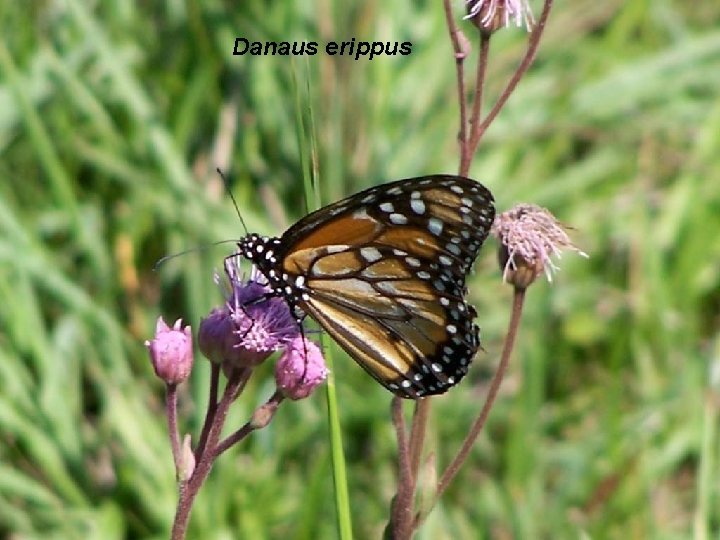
x: 413, y: 339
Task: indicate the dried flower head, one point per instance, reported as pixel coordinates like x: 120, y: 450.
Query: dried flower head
x: 491, y: 15
x: 300, y: 369
x: 529, y: 235
x: 171, y: 351
x: 250, y: 326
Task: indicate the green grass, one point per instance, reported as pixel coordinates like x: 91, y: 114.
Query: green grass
x: 112, y: 119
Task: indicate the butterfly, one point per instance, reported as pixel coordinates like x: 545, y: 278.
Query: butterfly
x: 383, y: 272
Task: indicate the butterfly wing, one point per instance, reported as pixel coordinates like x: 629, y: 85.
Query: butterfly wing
x: 383, y: 272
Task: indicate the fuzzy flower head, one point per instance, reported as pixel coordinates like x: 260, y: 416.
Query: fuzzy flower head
x: 171, y: 351
x: 529, y: 236
x: 250, y: 326
x: 491, y: 15
x: 300, y: 369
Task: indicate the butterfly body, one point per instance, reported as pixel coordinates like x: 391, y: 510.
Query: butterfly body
x: 383, y: 272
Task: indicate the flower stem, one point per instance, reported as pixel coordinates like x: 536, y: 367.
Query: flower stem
x: 457, y: 462
x: 476, y: 133
x: 515, y: 79
x: 417, y: 434
x: 171, y: 413
x: 460, y: 48
x: 211, y: 409
x: 261, y: 418
x: 402, y: 507
x: 189, y: 490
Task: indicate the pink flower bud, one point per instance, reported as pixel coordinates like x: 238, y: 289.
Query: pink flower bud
x: 171, y: 351
x: 300, y: 369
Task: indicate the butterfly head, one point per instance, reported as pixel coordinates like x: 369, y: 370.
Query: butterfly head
x: 264, y: 253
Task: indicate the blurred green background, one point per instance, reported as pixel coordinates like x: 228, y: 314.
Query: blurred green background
x: 113, y: 116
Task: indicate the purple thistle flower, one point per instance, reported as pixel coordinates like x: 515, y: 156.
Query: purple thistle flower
x: 251, y: 325
x: 300, y: 369
x: 171, y: 351
x: 529, y: 235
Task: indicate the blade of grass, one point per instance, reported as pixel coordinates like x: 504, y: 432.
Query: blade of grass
x: 306, y: 147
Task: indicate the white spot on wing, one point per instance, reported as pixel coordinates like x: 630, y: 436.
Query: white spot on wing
x: 435, y: 226
x: 453, y: 248
x: 398, y: 219
x: 370, y: 254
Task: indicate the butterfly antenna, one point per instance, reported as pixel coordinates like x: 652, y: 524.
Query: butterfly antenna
x: 232, y: 198
x: 166, y: 258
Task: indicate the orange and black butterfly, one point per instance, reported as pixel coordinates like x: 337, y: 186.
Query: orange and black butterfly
x: 383, y: 272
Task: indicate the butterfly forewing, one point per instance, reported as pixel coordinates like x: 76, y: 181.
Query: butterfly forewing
x: 383, y: 272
